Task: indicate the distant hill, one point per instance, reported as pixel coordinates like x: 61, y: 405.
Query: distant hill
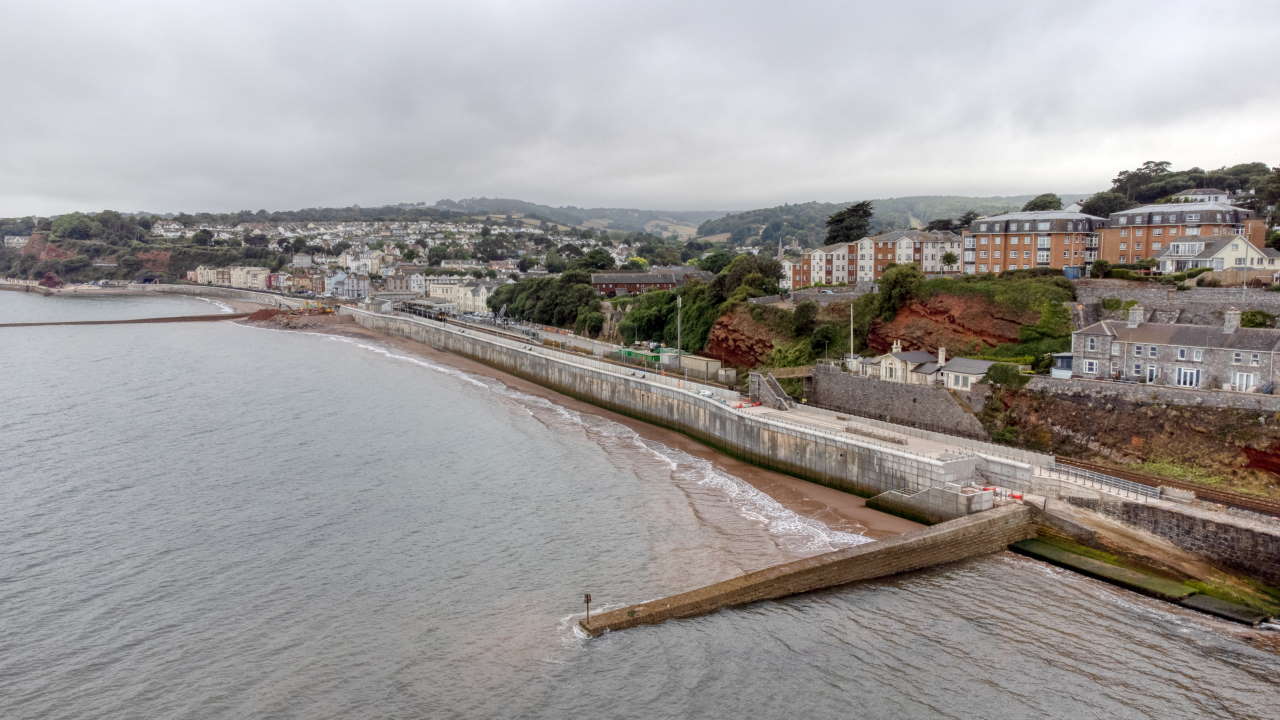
x: 804, y: 224
x: 661, y: 222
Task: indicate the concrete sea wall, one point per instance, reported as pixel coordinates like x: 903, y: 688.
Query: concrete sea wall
x: 950, y: 541
x: 853, y: 464
x: 253, y: 296
x: 1243, y: 544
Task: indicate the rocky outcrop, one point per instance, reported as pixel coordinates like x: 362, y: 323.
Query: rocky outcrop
x: 960, y: 323
x: 738, y: 340
x: 1239, y: 447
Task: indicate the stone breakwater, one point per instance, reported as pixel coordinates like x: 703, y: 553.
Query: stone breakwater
x: 851, y: 463
x: 951, y: 541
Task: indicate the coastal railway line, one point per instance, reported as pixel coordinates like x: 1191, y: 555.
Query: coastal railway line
x: 1223, y: 497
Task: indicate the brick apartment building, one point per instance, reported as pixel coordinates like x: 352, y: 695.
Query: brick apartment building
x: 867, y: 259
x: 1024, y: 240
x: 1146, y: 232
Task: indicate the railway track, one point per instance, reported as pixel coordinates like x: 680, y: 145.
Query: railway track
x: 1223, y: 497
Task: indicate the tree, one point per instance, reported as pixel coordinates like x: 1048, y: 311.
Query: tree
x: 1104, y: 203
x: 716, y: 261
x: 1047, y: 201
x: 525, y: 264
x: 1099, y: 269
x: 595, y: 259
x: 850, y: 224
x: 1268, y: 192
x: 76, y: 226
x: 949, y: 259
x: 898, y: 285
x: 202, y: 237
x: 804, y: 318
x: 940, y: 225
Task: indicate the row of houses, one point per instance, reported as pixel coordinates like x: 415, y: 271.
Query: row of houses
x: 1222, y: 357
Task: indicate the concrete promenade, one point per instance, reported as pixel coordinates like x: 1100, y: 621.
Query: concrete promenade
x: 959, y: 539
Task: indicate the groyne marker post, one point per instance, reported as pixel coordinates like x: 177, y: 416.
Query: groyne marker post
x: 586, y: 598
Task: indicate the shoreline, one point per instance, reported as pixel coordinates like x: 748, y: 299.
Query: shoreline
x: 840, y: 511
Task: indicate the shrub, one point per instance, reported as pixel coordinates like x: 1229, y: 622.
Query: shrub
x: 1257, y: 319
x: 1209, y: 282
x: 1006, y: 376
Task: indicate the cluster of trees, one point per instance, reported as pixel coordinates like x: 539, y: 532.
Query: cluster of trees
x: 1153, y: 180
x: 567, y: 300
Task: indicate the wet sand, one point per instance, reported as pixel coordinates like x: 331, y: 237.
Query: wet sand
x: 836, y: 509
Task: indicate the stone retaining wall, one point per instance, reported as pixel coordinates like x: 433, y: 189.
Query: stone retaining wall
x: 1151, y: 393
x: 947, y: 542
x: 1250, y: 546
x: 918, y: 405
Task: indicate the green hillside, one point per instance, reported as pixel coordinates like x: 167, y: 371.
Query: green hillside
x: 804, y: 224
x: 628, y: 219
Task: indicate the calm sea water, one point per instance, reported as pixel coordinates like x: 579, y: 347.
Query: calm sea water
x: 217, y: 521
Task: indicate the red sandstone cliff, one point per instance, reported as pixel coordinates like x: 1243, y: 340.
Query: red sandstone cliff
x: 956, y: 322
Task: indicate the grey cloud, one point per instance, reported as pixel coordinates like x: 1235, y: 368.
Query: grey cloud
x: 228, y: 105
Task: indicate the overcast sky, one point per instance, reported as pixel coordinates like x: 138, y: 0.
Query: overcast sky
x: 226, y: 105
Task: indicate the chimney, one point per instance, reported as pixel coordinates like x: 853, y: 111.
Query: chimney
x: 1137, y: 314
x: 1230, y: 321
x: 897, y: 346
x: 942, y: 356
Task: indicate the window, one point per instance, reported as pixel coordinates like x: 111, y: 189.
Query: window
x: 982, y: 268
x: 1115, y: 348
x: 1155, y: 246
x: 982, y: 253
x: 1198, y: 356
x: 1137, y: 368
x: 1193, y: 217
x: 995, y: 268
x: 1066, y: 253
x: 1124, y: 220
x: 1042, y: 225
x: 982, y: 227
x: 982, y: 239
x: 1091, y: 343
x: 1187, y: 377
x: 1124, y: 233
x: 1155, y: 219
x: 1026, y: 254
x: 995, y: 253
x: 1137, y: 246
x: 1255, y: 359
x: 1043, y: 242
x: 1124, y: 246
x: 1138, y: 232
x: 1124, y: 258
x: 1193, y: 231
x: 1151, y: 351
x: 1237, y: 357
x: 1137, y: 351
x: 1091, y: 367
x: 1158, y: 231
x: 1243, y: 382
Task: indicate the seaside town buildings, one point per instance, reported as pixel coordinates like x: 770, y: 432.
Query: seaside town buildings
x: 867, y: 259
x: 1147, y: 231
x: 1024, y: 240
x: 1224, y: 357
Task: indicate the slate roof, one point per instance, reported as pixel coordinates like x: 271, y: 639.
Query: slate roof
x: 1045, y: 215
x: 968, y: 366
x: 915, y: 356
x: 1202, y: 336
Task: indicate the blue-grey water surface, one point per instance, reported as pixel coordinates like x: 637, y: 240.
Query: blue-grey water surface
x: 218, y: 521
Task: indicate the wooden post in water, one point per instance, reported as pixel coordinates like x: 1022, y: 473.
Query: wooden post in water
x: 586, y: 598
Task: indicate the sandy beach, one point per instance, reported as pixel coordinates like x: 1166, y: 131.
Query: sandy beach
x: 836, y: 509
